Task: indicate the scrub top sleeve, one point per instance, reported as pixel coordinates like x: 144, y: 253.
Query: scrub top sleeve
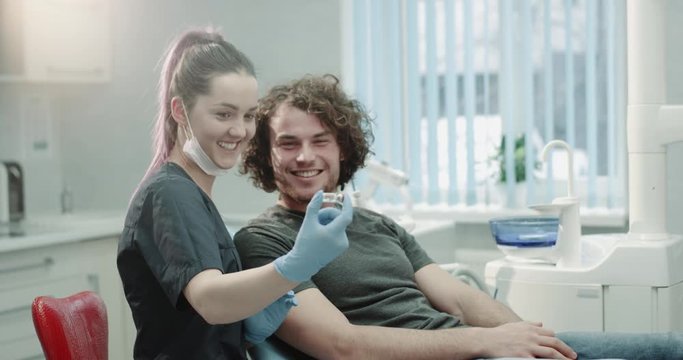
x: 184, y: 238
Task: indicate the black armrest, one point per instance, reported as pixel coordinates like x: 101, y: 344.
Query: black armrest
x: 275, y: 349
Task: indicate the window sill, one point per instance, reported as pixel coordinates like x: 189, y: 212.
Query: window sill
x: 594, y: 217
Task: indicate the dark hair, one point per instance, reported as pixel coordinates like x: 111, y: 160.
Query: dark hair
x: 189, y: 64
x: 322, y: 96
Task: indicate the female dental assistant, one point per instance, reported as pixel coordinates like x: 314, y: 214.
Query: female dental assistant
x: 180, y: 271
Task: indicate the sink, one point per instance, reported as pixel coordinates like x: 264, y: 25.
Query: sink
x: 595, y: 248
x: 613, y: 259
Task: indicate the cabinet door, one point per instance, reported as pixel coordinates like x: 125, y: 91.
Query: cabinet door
x: 57, y: 40
x: 556, y: 305
x: 19, y: 340
x: 59, y: 271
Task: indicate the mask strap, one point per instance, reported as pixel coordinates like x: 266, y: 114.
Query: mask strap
x: 189, y: 126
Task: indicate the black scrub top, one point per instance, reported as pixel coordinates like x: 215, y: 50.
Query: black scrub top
x: 172, y: 232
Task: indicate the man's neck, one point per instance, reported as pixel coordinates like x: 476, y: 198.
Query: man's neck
x: 289, y: 203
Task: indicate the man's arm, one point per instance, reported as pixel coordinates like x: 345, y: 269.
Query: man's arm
x: 448, y: 294
x: 317, y: 328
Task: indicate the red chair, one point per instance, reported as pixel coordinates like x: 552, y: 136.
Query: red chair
x: 71, y: 328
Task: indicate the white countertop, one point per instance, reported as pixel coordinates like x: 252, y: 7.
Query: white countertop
x: 57, y: 229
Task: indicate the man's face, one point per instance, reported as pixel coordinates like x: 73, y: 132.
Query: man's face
x: 305, y: 156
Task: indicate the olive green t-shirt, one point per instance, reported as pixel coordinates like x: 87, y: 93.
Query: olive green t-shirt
x: 372, y: 283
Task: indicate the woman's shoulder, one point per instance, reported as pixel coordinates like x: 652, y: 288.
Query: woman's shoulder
x: 170, y: 178
x: 163, y: 186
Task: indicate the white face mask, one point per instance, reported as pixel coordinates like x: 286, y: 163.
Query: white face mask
x: 194, y: 150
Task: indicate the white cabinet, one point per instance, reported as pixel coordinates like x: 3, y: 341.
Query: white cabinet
x: 55, y: 40
x: 580, y: 305
x: 60, y: 270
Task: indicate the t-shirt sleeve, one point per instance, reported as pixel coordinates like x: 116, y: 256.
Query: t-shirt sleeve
x: 259, y: 246
x: 416, y: 254
x: 177, y: 236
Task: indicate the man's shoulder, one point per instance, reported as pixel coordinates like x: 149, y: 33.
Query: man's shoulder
x: 272, y: 222
x: 369, y: 220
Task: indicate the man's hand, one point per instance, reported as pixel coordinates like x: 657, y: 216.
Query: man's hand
x: 526, y: 339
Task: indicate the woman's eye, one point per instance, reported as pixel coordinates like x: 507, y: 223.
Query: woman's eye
x: 287, y: 146
x: 224, y: 115
x: 250, y: 117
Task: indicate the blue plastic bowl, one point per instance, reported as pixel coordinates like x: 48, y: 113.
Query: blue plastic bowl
x: 536, y: 231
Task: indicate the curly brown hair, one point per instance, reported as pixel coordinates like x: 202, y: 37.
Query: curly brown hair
x: 322, y: 96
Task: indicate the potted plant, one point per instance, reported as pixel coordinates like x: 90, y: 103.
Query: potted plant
x: 519, y: 157
x: 520, y: 175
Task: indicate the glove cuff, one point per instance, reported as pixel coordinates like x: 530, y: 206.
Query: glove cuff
x: 292, y: 270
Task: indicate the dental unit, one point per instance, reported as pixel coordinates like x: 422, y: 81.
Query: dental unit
x: 629, y: 282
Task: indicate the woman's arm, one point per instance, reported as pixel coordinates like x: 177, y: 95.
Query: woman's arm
x: 227, y: 298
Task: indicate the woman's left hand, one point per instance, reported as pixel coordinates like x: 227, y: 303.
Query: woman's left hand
x: 265, y: 322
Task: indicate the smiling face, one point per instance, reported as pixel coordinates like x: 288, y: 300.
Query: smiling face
x: 223, y: 120
x: 304, y: 154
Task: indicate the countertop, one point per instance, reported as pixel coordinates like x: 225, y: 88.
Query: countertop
x: 56, y: 229
x: 49, y: 230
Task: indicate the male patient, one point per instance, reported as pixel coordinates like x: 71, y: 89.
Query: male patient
x: 384, y: 297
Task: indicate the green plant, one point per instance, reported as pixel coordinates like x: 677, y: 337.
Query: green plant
x: 519, y: 157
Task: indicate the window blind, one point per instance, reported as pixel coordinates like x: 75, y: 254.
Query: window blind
x: 465, y: 94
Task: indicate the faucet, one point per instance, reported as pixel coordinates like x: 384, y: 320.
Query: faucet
x: 568, y: 243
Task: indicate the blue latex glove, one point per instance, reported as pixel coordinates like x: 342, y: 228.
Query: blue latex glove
x: 264, y: 323
x: 321, y: 238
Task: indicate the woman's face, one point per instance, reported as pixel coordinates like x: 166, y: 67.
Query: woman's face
x: 223, y: 121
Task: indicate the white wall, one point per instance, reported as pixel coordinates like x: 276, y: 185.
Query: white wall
x: 101, y: 133
x: 675, y: 96
x: 101, y: 142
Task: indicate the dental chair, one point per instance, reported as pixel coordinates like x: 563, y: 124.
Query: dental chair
x: 73, y: 327
x: 275, y: 349
x: 379, y: 174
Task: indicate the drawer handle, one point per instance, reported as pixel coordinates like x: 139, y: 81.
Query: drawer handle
x: 47, y: 262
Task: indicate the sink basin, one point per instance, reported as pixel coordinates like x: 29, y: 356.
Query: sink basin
x: 526, y: 238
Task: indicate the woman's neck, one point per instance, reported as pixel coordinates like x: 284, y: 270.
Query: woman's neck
x: 202, y: 179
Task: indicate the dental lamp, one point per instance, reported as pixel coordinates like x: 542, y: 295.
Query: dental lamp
x: 380, y: 173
